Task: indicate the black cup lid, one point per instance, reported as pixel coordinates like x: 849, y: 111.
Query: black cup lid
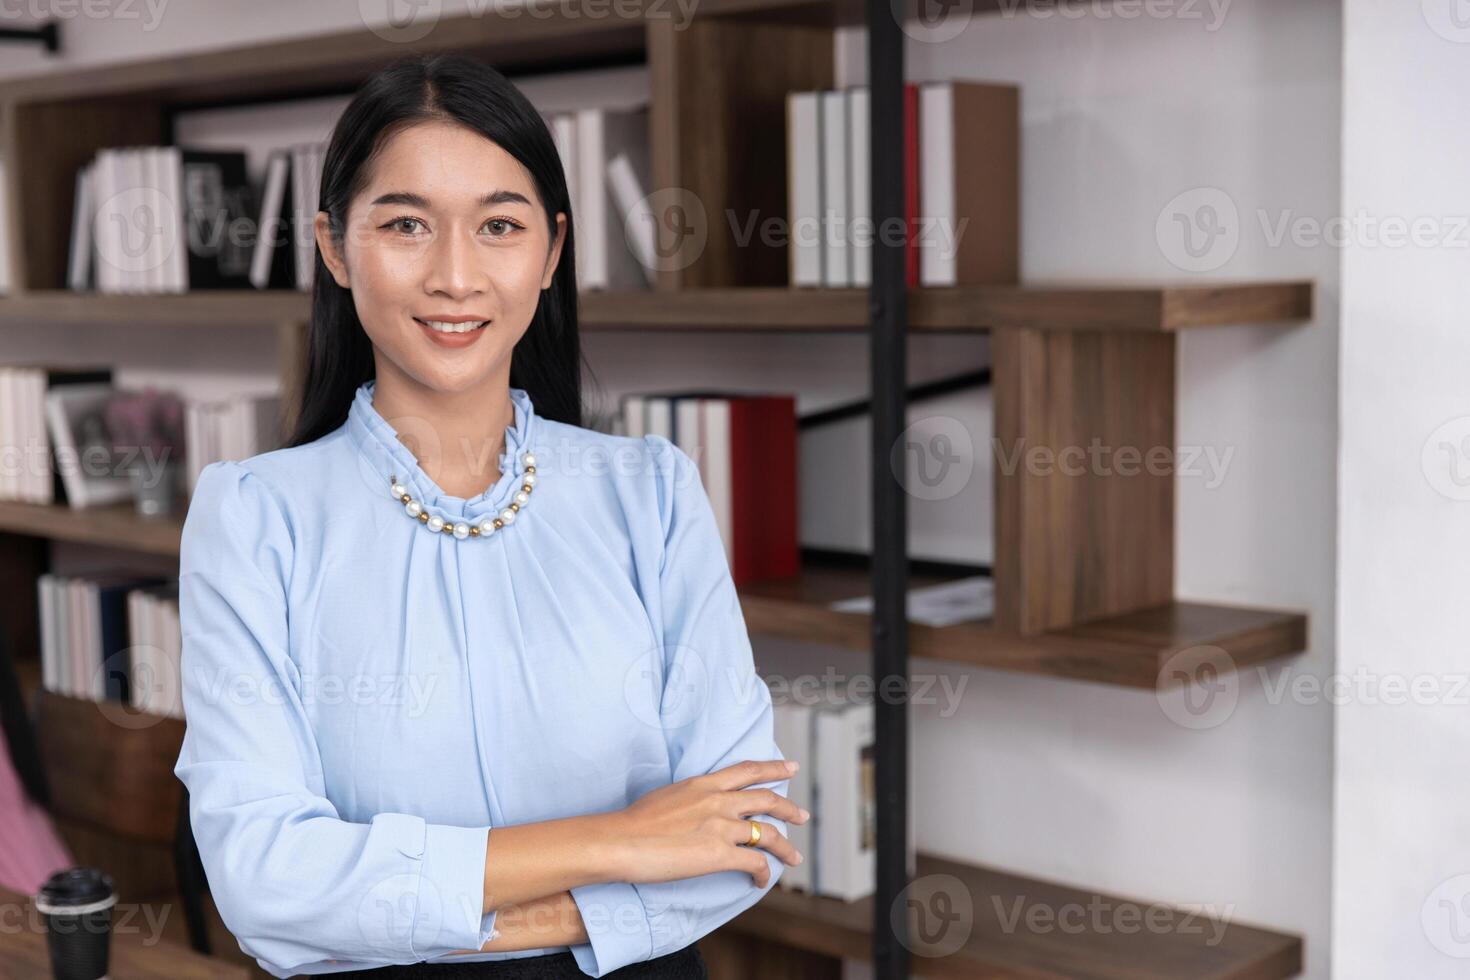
x: 76, y: 886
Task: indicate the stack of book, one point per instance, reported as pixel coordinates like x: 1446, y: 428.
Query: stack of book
x: 229, y: 428
x: 284, y: 256
x: 829, y: 730
x: 605, y: 155
x: 961, y: 185
x: 746, y: 449
x: 46, y: 416
x: 112, y: 636
x: 161, y: 219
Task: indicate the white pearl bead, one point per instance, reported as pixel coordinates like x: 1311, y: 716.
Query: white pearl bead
x: 529, y: 479
x: 487, y: 525
x: 507, y: 516
x: 521, y: 497
x: 414, y: 508
x: 461, y: 530
x: 398, y: 491
x: 529, y: 459
x: 436, y: 523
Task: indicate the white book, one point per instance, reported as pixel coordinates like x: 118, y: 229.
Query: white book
x: 835, y: 269
x: 564, y: 132
x: 938, y: 264
x: 150, y: 217
x: 658, y: 417
x: 177, y: 267
x: 4, y: 231
x: 715, y: 469
x: 601, y: 135
x: 140, y: 668
x: 269, y: 223
x: 299, y: 164
x: 171, y: 670
x: 804, y: 186
x: 688, y: 425
x: 9, y: 433
x: 79, y: 259
x: 35, y: 456
x: 860, y: 200
x: 104, y: 182
x: 135, y: 239
x: 46, y: 602
x: 639, y: 231
x: 792, y: 728
x: 635, y: 416
x: 846, y: 802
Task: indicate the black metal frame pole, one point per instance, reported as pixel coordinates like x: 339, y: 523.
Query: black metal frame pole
x: 888, y: 312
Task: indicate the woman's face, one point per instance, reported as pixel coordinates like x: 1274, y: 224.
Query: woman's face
x: 448, y: 226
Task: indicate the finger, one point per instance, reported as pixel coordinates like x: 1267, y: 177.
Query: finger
x: 748, y: 802
x: 743, y: 774
x: 771, y: 840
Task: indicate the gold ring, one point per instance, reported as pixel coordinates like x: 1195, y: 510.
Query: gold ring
x: 755, y: 835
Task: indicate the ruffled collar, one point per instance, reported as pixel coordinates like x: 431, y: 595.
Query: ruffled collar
x: 382, y: 454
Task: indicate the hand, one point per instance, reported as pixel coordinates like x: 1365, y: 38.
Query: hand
x: 697, y: 825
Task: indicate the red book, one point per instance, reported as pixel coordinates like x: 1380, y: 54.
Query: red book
x: 764, y: 500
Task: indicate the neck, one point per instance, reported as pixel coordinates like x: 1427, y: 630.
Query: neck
x: 456, y: 436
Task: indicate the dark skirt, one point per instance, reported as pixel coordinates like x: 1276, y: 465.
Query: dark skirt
x: 683, y: 964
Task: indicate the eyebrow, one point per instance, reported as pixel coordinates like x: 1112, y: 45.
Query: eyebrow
x: 419, y: 201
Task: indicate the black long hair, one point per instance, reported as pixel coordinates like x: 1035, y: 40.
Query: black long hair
x: 547, y: 361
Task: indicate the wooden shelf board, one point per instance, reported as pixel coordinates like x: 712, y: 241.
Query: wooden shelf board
x: 113, y: 526
x: 1026, y: 928
x: 1056, y: 306
x: 556, y: 37
x: 1128, y: 650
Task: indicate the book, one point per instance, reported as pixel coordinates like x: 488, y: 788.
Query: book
x: 969, y: 185
x: 804, y: 187
x: 30, y: 470
x: 961, y: 601
x: 743, y: 444
x: 606, y: 260
x: 273, y: 261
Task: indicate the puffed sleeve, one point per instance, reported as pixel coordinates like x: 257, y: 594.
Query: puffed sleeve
x: 294, y: 882
x: 716, y: 711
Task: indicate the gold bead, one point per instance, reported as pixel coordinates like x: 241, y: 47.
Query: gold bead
x: 474, y: 531
x: 499, y: 523
x: 423, y: 517
x: 405, y: 498
x: 526, y: 487
x: 447, y: 529
x: 530, y: 469
x: 515, y: 506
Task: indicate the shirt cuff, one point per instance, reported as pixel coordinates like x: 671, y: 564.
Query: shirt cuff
x: 617, y: 927
x: 451, y: 896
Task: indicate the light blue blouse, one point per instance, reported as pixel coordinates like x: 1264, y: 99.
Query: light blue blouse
x: 367, y: 698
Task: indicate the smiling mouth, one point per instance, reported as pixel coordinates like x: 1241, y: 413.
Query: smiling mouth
x: 441, y: 326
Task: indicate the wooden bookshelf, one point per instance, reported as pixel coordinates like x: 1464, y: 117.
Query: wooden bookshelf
x: 1143, y: 307
x: 1061, y: 931
x: 1127, y: 649
x: 1084, y: 564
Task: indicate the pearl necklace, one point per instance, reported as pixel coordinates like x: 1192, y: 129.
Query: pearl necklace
x: 461, y: 529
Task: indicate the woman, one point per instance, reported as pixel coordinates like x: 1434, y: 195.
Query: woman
x: 467, y: 684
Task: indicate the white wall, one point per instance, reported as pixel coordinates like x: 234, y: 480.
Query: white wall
x: 1078, y: 782
x: 1402, y: 851
x: 1096, y: 785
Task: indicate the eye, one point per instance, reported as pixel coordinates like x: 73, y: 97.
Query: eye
x: 397, y: 223
x: 506, y: 227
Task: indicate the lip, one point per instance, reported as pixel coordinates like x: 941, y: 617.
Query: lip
x: 452, y: 317
x: 453, y: 341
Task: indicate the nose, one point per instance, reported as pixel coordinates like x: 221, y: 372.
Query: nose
x: 455, y: 267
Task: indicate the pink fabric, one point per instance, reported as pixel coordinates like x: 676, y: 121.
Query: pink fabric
x: 30, y: 850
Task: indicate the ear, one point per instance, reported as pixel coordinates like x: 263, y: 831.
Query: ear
x: 333, y: 259
x: 553, y: 258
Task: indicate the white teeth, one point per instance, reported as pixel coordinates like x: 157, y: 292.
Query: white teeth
x: 443, y: 327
